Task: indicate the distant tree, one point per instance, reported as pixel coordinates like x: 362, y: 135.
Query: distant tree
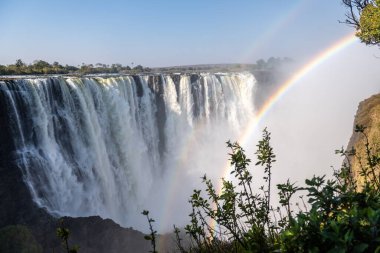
x: 116, y: 68
x: 260, y: 63
x: 70, y: 68
x: 287, y: 60
x: 19, y: 63
x: 3, y: 70
x: 85, y: 69
x: 41, y: 64
x: 273, y: 62
x: 139, y: 68
x: 41, y: 67
x: 364, y: 16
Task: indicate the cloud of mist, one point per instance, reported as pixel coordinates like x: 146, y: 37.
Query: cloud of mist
x: 315, y: 117
x: 308, y: 123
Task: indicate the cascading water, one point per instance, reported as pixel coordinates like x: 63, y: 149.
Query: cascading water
x: 106, y: 145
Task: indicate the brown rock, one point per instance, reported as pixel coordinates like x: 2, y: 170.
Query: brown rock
x: 368, y: 115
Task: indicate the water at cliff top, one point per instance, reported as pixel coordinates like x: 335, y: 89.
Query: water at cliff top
x: 112, y: 146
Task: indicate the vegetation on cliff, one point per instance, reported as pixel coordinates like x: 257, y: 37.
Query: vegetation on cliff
x: 18, y: 238
x: 368, y: 114
x: 336, y: 215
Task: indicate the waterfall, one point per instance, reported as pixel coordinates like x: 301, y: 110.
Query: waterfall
x: 98, y: 145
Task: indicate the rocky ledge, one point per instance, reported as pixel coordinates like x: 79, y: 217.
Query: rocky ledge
x: 368, y: 115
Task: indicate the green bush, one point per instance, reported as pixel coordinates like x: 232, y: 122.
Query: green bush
x: 18, y: 239
x: 340, y: 215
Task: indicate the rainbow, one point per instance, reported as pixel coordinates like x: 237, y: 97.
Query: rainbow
x: 265, y: 108
x: 307, y: 68
x: 276, y: 96
x: 294, y: 79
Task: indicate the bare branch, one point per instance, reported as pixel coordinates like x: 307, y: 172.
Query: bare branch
x: 354, y: 11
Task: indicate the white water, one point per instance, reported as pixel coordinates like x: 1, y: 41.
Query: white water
x: 114, y: 146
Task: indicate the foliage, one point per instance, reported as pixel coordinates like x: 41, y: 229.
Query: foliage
x: 153, y: 234
x: 272, y: 63
x: 40, y: 67
x: 369, y: 32
x: 342, y: 218
x: 238, y: 219
x: 63, y: 234
x: 18, y: 239
x: 339, y: 216
x: 364, y: 15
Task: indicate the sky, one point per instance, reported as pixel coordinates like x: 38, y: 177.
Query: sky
x: 166, y: 33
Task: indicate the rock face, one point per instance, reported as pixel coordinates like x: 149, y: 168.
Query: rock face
x: 368, y: 115
x: 95, y: 235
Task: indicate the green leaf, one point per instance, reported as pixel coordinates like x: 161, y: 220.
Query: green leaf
x: 360, y: 248
x: 337, y: 250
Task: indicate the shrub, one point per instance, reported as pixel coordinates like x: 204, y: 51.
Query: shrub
x: 18, y: 239
x: 340, y: 216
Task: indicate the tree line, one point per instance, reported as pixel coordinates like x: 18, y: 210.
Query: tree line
x: 40, y: 67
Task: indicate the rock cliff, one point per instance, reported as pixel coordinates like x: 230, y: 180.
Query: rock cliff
x: 368, y: 115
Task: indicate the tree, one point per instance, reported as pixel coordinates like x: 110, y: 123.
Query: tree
x: 370, y: 24
x: 41, y: 67
x: 260, y: 63
x: 364, y: 16
x: 3, y: 70
x: 115, y: 68
x: 19, y: 63
x: 139, y: 68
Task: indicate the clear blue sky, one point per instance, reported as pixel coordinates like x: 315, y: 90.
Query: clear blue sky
x: 166, y: 33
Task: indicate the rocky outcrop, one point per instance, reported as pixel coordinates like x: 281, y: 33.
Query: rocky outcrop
x: 368, y: 115
x: 94, y: 235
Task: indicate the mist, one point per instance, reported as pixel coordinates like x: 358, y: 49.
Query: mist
x: 308, y: 123
x: 315, y: 117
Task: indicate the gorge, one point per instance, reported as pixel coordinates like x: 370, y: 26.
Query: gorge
x: 109, y: 146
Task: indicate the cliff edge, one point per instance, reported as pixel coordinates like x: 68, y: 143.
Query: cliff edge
x: 368, y: 115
